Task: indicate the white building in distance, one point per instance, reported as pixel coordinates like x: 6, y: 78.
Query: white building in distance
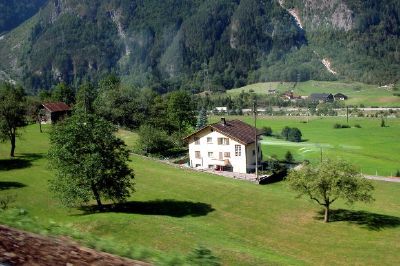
x: 225, y: 146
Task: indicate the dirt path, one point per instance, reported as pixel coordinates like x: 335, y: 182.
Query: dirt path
x: 22, y: 248
x: 382, y: 178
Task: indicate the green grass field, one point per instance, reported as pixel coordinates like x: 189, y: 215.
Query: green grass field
x: 372, y: 148
x: 359, y: 93
x: 175, y: 210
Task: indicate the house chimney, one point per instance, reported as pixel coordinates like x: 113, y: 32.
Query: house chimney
x: 223, y: 121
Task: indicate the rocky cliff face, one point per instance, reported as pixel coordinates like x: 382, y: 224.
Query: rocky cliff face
x: 317, y: 14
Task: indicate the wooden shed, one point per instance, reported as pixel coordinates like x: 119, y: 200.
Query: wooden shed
x: 53, y: 112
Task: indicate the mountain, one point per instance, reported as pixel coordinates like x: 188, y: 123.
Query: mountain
x: 14, y: 12
x: 197, y: 44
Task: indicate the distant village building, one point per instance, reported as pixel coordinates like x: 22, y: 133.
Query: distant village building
x: 54, y: 112
x: 221, y: 109
x: 272, y: 91
x: 248, y: 111
x: 225, y: 146
x: 290, y: 96
x: 340, y: 97
x: 321, y: 97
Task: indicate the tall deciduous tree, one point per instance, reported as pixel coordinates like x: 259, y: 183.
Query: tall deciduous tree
x: 90, y: 161
x: 63, y: 93
x: 180, y: 110
x: 12, y: 113
x: 85, y: 98
x: 330, y: 181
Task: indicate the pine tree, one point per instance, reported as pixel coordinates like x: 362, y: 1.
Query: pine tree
x: 201, y: 119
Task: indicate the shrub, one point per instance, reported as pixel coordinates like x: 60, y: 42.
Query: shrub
x: 337, y: 125
x: 398, y: 173
x: 267, y: 131
x: 285, y: 132
x: 202, y: 256
x: 383, y: 124
x: 153, y: 140
x: 295, y: 135
x: 289, y: 157
x: 6, y: 200
x: 357, y: 125
x: 291, y: 134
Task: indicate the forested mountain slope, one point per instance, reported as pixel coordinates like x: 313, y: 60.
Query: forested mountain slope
x: 219, y: 44
x: 360, y: 37
x: 14, y: 12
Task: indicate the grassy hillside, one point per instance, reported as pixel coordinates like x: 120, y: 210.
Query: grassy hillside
x: 174, y: 210
x: 359, y: 93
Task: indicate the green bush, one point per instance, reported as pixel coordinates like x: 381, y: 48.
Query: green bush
x: 337, y: 126
x: 153, y: 140
x: 6, y: 200
x: 289, y: 157
x: 295, y: 135
x: 267, y: 131
x: 357, y: 125
x: 291, y: 134
x: 202, y: 256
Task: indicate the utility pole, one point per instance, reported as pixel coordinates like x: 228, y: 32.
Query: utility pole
x: 347, y: 114
x: 255, y: 136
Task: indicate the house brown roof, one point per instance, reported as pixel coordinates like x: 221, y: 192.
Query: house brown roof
x: 235, y: 129
x: 56, y: 107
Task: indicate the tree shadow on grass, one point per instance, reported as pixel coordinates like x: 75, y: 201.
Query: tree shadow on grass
x: 19, y: 162
x: 10, y: 185
x: 369, y: 220
x: 166, y: 207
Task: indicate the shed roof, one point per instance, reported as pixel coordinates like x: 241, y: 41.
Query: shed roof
x: 56, y: 107
x: 235, y: 129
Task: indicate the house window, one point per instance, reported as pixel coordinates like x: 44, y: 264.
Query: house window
x: 196, y: 141
x: 197, y: 155
x: 227, y: 154
x: 210, y: 154
x: 209, y: 140
x: 238, y: 150
x: 223, y: 141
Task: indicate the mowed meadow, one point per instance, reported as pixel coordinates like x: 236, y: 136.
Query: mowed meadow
x: 372, y: 148
x: 358, y: 93
x: 176, y: 210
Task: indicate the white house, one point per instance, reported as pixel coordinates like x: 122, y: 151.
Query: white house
x: 225, y: 146
x: 221, y: 109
